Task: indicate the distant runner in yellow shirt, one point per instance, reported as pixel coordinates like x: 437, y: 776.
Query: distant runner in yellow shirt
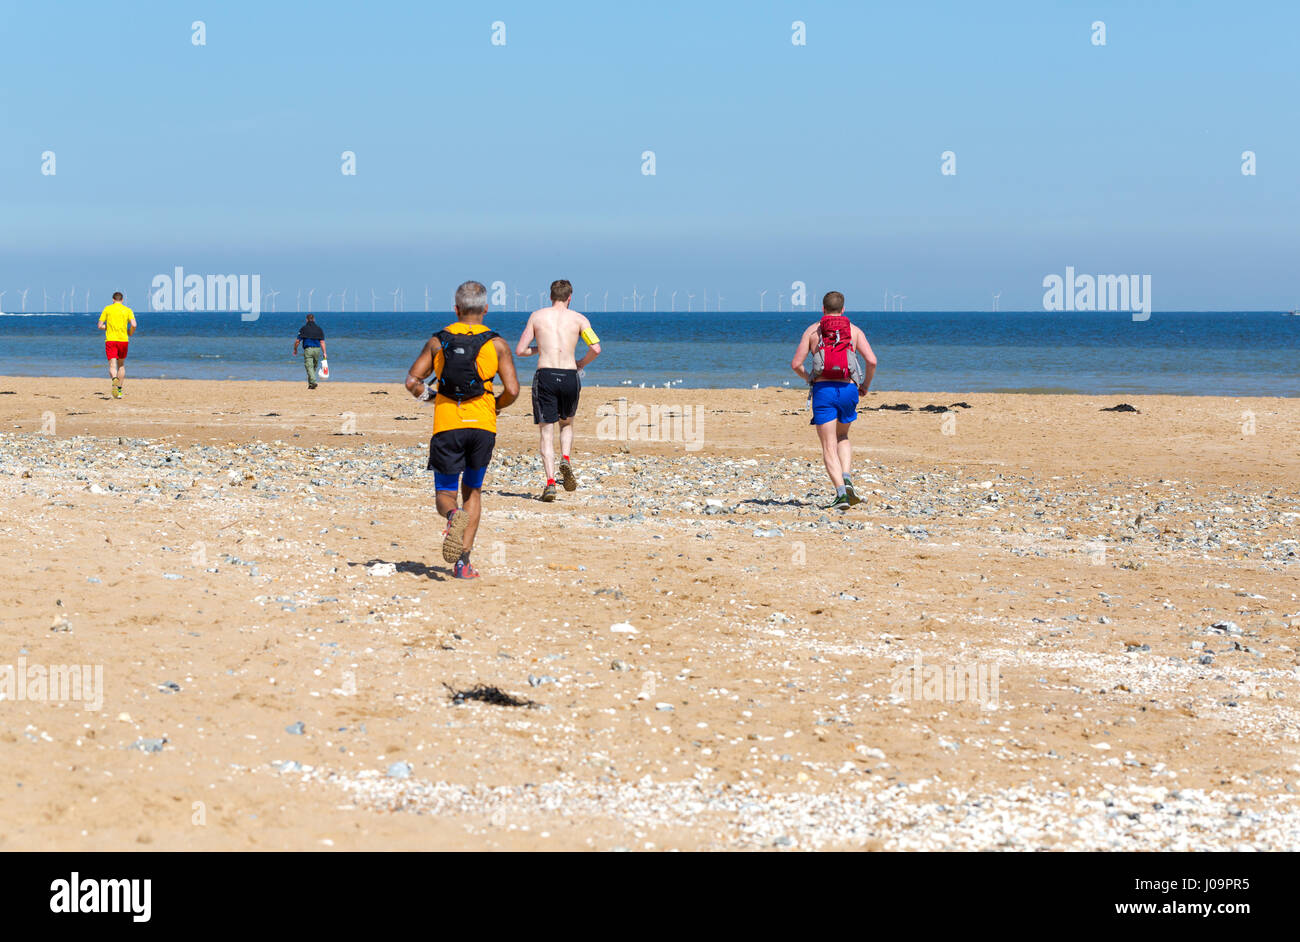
x: 117, y: 321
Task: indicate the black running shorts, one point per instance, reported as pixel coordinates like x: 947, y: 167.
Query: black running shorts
x: 555, y: 395
x: 453, y: 451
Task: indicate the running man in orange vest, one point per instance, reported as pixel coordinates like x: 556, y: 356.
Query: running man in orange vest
x: 464, y: 357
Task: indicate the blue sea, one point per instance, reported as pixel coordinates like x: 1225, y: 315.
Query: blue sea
x: 1246, y: 353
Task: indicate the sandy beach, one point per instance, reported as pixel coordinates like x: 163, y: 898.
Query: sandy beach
x: 713, y: 661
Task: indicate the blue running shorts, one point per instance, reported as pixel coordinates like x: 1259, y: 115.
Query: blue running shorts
x: 834, y: 402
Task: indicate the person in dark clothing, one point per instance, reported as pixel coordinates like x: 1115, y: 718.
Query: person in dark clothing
x: 312, y: 339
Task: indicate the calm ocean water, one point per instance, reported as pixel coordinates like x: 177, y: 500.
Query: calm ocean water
x: 1223, y: 354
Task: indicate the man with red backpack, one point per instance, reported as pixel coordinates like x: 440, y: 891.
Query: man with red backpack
x: 838, y: 379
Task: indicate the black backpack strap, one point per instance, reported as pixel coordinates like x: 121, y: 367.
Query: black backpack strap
x: 476, y: 341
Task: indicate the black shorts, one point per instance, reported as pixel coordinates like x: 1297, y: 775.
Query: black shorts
x: 555, y: 395
x: 453, y: 451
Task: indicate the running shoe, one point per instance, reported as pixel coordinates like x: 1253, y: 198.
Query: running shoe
x: 566, y: 477
x: 841, y: 502
x: 453, y: 536
x: 548, y: 494
x: 464, y: 570
x: 851, y: 494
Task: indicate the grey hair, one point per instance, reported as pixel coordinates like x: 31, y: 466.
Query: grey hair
x: 471, y: 298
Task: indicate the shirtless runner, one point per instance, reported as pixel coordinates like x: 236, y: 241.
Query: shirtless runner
x: 556, y: 383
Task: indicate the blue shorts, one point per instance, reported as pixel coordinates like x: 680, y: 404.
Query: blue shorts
x: 834, y: 402
x: 470, y: 477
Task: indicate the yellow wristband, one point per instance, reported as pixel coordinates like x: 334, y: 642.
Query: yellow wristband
x: 589, y: 336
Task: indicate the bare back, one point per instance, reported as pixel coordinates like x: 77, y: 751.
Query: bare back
x: 557, y: 330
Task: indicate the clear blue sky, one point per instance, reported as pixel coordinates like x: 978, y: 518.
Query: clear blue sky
x: 774, y: 162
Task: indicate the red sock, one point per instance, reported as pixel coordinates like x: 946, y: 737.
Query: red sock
x: 550, y: 482
x: 566, y: 457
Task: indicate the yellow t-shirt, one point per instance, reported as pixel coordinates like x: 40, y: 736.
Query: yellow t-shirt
x: 481, y: 413
x: 116, y: 318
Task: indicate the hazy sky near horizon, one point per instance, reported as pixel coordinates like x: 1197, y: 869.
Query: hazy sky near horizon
x: 774, y: 162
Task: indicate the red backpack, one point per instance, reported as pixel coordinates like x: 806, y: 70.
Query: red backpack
x: 835, y: 349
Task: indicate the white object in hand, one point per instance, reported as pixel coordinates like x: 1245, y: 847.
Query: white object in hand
x: 324, y: 371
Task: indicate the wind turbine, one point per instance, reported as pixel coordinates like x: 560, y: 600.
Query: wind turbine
x: 585, y: 297
x: 45, y: 301
x: 426, y: 299
x: 689, y: 298
x: 760, y: 300
x: 654, y: 300
x: 329, y: 299
x: 635, y: 308
x: 343, y: 304
x: 674, y: 303
x: 901, y: 298
x: 886, y: 307
x: 623, y: 304
x: 995, y: 301
x: 719, y: 301
x: 606, y: 301
x: 396, y: 292
x: 274, y: 294
x: 2, y: 299
x: 373, y: 298
x: 705, y: 305
x: 309, y: 294
x: 779, y: 298
x: 146, y: 299
x: 25, y: 290
x: 299, y: 308
x: 516, y: 299
x: 72, y: 299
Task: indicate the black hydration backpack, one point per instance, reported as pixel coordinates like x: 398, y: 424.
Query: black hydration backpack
x: 459, y: 379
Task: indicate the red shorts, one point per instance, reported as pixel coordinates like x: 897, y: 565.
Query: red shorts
x: 115, y: 349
